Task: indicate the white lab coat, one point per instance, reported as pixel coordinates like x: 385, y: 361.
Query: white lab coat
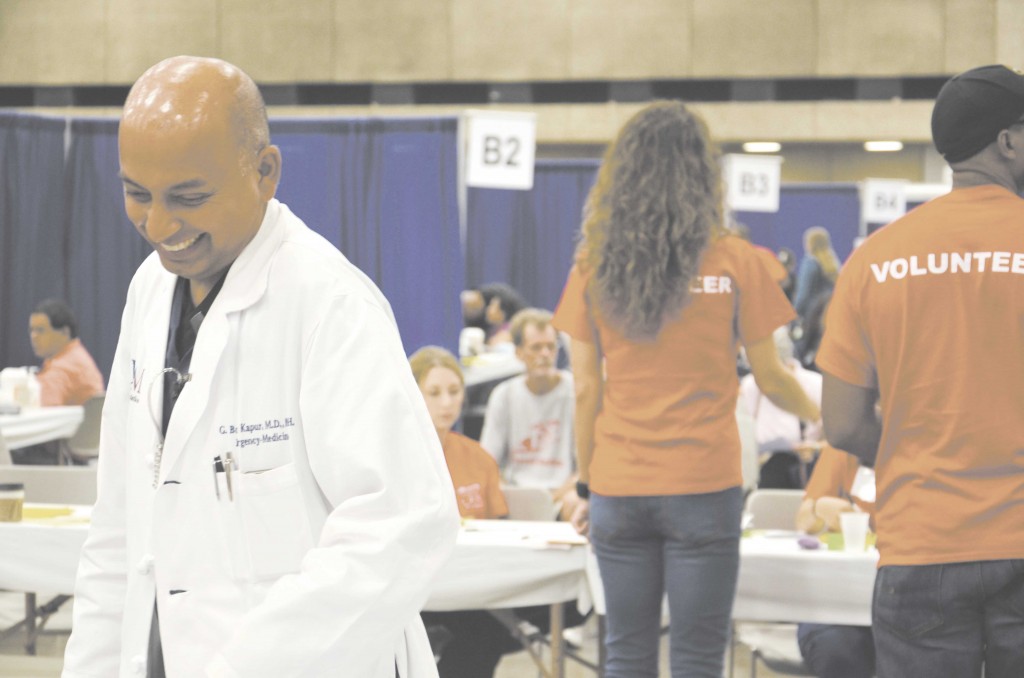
x: 342, y: 508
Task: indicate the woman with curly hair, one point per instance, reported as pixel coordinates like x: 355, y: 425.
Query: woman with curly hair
x: 657, y: 305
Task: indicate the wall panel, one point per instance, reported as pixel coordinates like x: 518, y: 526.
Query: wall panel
x: 639, y: 39
x: 752, y: 39
x: 282, y: 41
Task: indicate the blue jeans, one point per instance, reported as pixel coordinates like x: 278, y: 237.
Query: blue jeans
x: 685, y: 545
x: 950, y: 620
x: 833, y: 651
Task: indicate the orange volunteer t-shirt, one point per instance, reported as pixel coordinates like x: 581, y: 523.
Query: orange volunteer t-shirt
x: 667, y: 424
x: 775, y: 268
x: 930, y: 312
x: 475, y: 477
x: 833, y: 476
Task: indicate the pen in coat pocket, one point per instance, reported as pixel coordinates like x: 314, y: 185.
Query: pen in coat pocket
x: 218, y: 466
x: 229, y: 462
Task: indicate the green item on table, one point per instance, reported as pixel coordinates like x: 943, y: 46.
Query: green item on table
x: 834, y: 540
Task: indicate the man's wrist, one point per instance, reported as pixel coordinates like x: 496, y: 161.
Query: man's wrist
x: 582, y: 489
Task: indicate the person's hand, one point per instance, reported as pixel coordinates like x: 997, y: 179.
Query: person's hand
x: 829, y: 510
x: 581, y: 516
x: 570, y: 500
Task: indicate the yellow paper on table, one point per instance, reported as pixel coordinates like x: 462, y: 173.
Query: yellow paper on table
x: 44, y: 512
x: 834, y: 540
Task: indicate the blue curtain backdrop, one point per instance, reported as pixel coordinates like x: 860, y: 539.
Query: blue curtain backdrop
x: 32, y: 250
x: 527, y: 238
x: 385, y: 191
x: 104, y: 249
x: 834, y: 206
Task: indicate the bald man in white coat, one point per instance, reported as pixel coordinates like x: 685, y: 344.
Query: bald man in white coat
x: 273, y: 500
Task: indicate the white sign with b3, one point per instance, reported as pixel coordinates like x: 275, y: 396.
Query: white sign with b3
x: 752, y: 182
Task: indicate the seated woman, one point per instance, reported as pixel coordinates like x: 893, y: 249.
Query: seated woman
x: 501, y: 302
x: 831, y: 650
x: 786, y: 445
x: 477, y: 640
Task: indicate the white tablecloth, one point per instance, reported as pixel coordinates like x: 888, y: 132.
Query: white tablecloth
x: 510, y: 563
x: 779, y: 581
x: 35, y: 425
x: 42, y: 555
x: 496, y: 563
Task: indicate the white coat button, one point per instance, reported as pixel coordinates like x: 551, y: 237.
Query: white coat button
x: 139, y: 665
x: 145, y: 565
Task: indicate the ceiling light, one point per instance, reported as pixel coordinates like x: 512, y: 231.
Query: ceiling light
x: 883, y: 146
x: 762, y: 147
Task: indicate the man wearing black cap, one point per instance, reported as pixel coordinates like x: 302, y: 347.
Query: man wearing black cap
x: 928, y: 321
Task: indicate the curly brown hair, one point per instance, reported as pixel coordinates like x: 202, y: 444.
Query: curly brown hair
x: 656, y: 205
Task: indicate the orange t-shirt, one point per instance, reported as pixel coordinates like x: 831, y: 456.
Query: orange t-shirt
x: 775, y: 268
x: 475, y: 477
x: 833, y: 476
x: 667, y: 423
x: 70, y: 377
x: 930, y: 312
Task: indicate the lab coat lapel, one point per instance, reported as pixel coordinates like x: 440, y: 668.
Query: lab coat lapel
x: 245, y: 284
x: 149, y: 353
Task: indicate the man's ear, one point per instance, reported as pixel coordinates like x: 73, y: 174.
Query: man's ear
x: 1006, y: 146
x: 268, y: 164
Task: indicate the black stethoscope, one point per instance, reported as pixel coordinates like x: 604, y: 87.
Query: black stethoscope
x: 179, y: 382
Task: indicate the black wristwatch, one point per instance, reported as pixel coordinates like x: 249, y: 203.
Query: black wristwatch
x: 582, y: 490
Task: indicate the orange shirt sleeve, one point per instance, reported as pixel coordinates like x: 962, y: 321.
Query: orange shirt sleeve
x: 572, y: 315
x: 761, y: 304
x: 833, y: 474
x: 775, y: 268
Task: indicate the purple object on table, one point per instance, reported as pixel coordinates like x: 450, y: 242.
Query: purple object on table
x: 809, y: 543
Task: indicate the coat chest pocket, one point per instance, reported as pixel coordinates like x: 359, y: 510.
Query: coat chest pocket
x: 273, y: 521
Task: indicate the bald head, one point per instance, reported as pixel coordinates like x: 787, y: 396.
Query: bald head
x: 190, y: 93
x: 197, y: 165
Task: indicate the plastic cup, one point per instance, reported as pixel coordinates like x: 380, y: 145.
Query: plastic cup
x: 471, y: 342
x: 855, y: 530
x: 12, y: 496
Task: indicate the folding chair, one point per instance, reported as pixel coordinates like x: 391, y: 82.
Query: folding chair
x: 774, y: 509
x: 529, y: 503
x: 772, y: 643
x: 535, y: 503
x: 84, y: 446
x: 53, y: 484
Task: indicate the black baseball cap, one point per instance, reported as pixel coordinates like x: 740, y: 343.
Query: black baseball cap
x: 973, y: 107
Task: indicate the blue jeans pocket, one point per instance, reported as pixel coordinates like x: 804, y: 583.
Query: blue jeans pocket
x: 908, y: 599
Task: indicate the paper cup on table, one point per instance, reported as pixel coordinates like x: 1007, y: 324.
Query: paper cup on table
x: 855, y: 530
x: 471, y: 342
x: 12, y: 497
